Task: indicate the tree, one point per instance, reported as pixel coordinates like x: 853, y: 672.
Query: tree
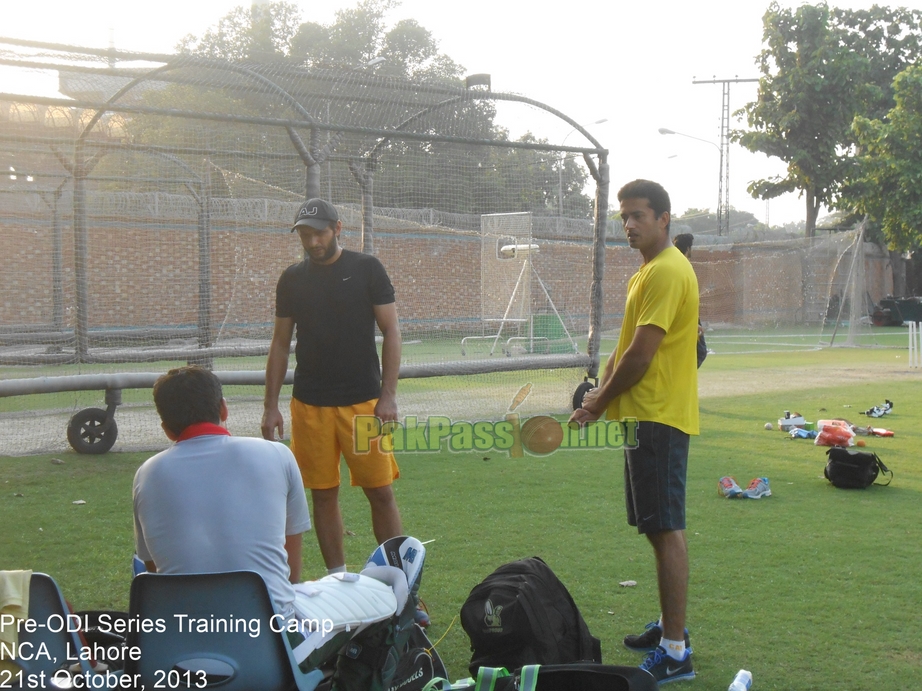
x: 352, y: 40
x: 357, y: 36
x: 259, y: 33
x: 887, y: 183
x: 698, y: 221
x: 411, y: 52
x: 321, y: 67
x: 272, y: 41
x: 820, y: 68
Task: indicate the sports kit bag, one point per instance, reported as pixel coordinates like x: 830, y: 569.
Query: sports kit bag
x: 521, y: 614
x: 581, y: 676
x: 850, y: 469
x: 419, y: 665
x: 375, y: 658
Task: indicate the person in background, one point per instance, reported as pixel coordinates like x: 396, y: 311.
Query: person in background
x: 684, y: 242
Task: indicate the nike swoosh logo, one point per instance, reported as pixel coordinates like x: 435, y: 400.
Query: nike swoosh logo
x: 347, y: 278
x: 670, y: 671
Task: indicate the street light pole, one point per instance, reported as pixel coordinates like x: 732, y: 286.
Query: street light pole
x: 723, y: 214
x: 563, y: 157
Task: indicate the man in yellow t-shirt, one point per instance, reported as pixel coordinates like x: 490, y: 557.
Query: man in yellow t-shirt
x: 652, y: 377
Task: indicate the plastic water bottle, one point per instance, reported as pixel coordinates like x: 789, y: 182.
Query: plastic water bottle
x: 742, y: 681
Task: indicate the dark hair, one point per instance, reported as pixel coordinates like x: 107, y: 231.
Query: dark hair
x: 187, y: 395
x: 657, y: 197
x: 684, y: 242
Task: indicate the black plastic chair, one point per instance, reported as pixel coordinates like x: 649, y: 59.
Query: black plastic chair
x: 50, y: 647
x: 234, y: 649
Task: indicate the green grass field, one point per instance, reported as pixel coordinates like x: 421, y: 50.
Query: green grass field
x: 811, y: 588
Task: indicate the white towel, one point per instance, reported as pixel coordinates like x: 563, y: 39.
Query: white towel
x: 14, y: 600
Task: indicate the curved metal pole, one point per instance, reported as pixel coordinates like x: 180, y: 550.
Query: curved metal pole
x: 82, y: 167
x: 372, y: 155
x: 602, y: 177
x: 491, y: 96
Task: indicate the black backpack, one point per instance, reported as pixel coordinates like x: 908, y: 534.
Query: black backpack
x: 854, y: 469
x: 521, y: 614
x: 701, y: 349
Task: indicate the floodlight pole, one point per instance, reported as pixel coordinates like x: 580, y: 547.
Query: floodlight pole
x: 723, y: 187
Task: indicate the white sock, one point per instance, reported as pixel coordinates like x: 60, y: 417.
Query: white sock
x: 674, y: 649
x: 337, y: 569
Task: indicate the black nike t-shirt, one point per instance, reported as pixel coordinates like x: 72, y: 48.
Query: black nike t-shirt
x: 333, y: 310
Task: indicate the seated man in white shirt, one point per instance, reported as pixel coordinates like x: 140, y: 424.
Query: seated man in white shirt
x: 213, y: 503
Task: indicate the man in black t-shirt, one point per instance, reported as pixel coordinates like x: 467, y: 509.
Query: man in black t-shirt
x: 334, y: 298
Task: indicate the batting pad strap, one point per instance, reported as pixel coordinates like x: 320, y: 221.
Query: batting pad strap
x: 487, y: 676
x: 528, y: 678
x: 393, y: 577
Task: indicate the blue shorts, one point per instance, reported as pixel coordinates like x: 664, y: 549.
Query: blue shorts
x: 654, y: 478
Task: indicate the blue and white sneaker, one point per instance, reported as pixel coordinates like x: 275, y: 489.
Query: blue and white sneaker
x: 757, y: 488
x: 727, y: 487
x: 666, y: 669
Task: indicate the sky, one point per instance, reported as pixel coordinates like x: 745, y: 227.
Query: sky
x: 629, y: 63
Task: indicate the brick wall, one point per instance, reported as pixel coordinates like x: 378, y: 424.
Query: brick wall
x: 145, y: 275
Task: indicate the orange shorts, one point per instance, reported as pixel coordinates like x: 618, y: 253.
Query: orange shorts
x: 319, y: 434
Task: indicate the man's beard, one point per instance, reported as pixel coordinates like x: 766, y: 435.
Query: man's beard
x: 327, y: 255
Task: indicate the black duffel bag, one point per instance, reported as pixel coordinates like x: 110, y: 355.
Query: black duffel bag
x: 850, y: 469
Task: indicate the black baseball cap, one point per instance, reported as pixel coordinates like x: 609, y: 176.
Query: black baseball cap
x: 316, y: 213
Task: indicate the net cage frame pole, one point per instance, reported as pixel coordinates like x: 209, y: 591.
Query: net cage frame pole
x: 198, y: 186
x: 145, y: 380
x: 602, y: 175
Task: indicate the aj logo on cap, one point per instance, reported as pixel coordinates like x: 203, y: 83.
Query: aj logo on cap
x: 317, y: 214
